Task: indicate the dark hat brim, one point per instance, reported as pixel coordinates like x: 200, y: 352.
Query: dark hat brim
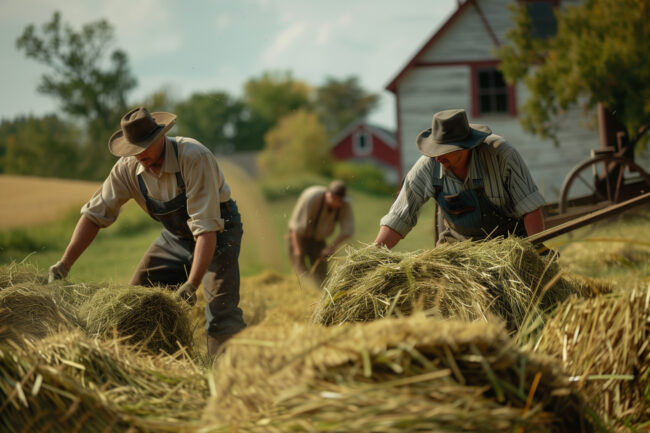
x: 429, y: 147
x: 119, y: 145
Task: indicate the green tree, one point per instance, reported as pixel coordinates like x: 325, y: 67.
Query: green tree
x: 599, y: 54
x: 276, y: 94
x: 340, y: 102
x: 36, y: 146
x: 90, y: 81
x: 297, y: 144
x: 208, y: 117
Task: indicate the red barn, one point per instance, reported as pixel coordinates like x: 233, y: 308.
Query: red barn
x: 362, y: 142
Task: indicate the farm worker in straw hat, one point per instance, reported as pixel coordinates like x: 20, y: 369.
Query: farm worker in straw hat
x: 313, y: 220
x: 179, y: 183
x: 480, y: 183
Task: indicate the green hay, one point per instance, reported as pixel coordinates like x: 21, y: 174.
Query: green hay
x: 71, y: 383
x: 150, y: 316
x: 391, y: 375
x: 28, y: 313
x: 604, y: 343
x: 467, y: 280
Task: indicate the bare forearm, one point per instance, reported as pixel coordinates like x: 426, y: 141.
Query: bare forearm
x: 295, y: 243
x: 206, y: 243
x: 83, y: 235
x: 534, y: 222
x: 387, y: 237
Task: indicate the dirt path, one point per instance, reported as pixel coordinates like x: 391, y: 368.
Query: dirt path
x: 258, y: 228
x: 29, y: 200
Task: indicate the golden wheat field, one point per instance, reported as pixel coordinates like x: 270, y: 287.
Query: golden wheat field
x: 482, y: 337
x: 34, y: 200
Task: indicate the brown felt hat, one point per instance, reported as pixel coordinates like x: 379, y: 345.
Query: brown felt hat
x: 450, y: 131
x: 138, y: 130
x: 337, y: 187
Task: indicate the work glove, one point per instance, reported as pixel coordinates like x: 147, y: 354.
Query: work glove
x: 187, y: 292
x: 58, y: 271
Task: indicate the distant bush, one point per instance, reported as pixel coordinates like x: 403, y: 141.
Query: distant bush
x: 364, y: 177
x: 279, y: 187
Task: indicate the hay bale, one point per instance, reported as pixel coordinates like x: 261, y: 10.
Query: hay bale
x: 274, y: 298
x: 603, y: 343
x: 415, y: 374
x: 28, y: 313
x: 13, y: 274
x: 69, y: 382
x: 149, y: 316
x: 468, y: 280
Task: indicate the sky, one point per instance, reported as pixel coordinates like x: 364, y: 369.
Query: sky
x: 202, y: 46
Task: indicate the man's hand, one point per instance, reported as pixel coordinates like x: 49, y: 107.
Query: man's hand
x: 328, y: 251
x: 187, y: 292
x: 58, y: 271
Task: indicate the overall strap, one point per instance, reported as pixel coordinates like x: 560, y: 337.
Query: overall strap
x: 436, y: 181
x: 179, y: 176
x: 320, y: 209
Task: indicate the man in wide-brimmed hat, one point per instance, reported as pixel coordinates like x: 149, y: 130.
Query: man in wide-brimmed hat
x: 179, y: 183
x: 480, y: 183
x: 314, y: 218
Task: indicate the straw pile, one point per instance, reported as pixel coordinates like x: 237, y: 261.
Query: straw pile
x: 145, y: 315
x: 410, y: 374
x: 28, y: 313
x: 467, y: 280
x: 604, y: 343
x: 71, y: 383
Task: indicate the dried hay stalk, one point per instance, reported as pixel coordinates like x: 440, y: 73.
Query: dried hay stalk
x: 604, y: 343
x: 415, y: 374
x: 150, y: 316
x: 28, y: 313
x: 71, y: 383
x: 467, y: 280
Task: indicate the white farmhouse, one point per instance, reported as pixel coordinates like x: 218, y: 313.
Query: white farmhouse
x: 457, y: 68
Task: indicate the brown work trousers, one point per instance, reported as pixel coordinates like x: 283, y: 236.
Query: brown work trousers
x: 312, y: 250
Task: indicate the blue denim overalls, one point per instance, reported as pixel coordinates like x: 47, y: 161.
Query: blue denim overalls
x: 471, y: 215
x: 169, y: 258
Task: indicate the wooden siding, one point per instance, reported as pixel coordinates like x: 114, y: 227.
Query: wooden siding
x: 466, y: 39
x: 423, y: 92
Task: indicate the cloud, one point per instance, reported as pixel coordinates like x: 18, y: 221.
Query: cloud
x: 284, y: 41
x: 223, y: 22
x: 132, y: 20
x: 327, y: 28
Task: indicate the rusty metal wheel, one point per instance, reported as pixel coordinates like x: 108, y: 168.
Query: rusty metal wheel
x: 601, y: 181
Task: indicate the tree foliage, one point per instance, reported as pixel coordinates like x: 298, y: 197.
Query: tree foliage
x: 221, y: 122
x: 297, y: 144
x: 276, y: 94
x: 86, y: 84
x: 90, y: 82
x: 35, y: 146
x: 340, y: 102
x: 599, y: 54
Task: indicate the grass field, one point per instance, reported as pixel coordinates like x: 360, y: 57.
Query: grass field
x: 117, y: 250
x: 38, y: 228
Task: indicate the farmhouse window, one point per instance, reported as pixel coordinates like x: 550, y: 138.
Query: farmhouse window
x: 492, y: 91
x: 542, y: 16
x: 362, y: 143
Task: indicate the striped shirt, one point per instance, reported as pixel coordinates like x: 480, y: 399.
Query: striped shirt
x: 507, y: 183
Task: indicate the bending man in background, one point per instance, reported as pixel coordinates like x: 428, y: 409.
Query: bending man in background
x: 481, y: 185
x: 313, y: 220
x: 179, y: 183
